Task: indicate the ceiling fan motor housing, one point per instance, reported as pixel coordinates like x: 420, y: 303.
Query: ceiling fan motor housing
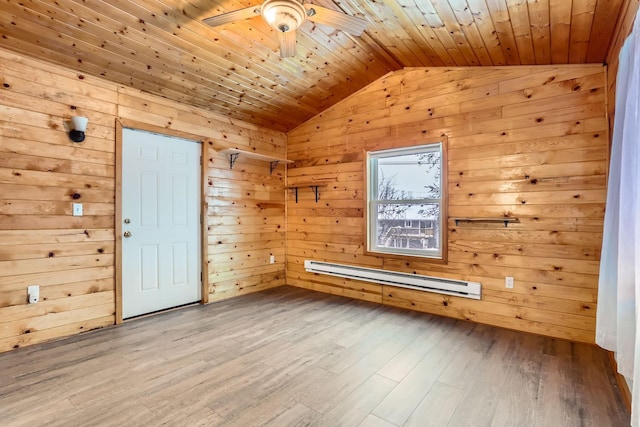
x: 283, y: 15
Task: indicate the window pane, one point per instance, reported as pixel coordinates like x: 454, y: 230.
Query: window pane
x: 410, y: 176
x: 408, y: 226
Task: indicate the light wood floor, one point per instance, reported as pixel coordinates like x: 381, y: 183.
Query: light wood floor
x: 291, y: 357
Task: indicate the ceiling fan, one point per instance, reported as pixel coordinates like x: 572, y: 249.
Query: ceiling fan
x: 285, y: 16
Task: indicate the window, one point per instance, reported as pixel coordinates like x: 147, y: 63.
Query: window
x: 406, y: 203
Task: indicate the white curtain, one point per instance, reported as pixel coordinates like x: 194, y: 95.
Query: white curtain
x: 617, y: 327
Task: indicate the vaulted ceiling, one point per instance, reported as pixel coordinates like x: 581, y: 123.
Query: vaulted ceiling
x: 162, y: 47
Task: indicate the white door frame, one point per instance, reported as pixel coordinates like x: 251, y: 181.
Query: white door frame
x: 120, y: 125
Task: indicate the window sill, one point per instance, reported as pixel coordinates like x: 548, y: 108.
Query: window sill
x: 407, y: 257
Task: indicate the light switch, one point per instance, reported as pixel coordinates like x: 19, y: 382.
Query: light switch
x: 77, y: 209
x: 508, y: 282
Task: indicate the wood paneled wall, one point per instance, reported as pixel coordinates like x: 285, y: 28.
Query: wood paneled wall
x: 623, y: 29
x: 72, y: 258
x: 246, y: 204
x: 525, y: 142
x: 41, y: 173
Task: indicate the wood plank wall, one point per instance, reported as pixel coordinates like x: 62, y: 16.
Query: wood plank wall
x: 246, y: 204
x: 72, y: 258
x: 41, y: 171
x: 527, y: 142
x: 623, y: 29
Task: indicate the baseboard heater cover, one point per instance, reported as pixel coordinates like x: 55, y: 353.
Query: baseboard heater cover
x: 439, y: 285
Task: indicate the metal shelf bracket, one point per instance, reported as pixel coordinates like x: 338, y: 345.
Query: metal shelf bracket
x: 272, y: 166
x: 232, y: 159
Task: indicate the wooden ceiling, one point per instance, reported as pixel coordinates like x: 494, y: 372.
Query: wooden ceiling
x: 162, y: 47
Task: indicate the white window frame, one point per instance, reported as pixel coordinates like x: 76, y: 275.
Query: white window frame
x: 372, y: 202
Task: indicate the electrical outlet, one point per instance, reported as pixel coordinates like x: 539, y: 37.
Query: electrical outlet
x: 33, y: 292
x: 77, y: 209
x: 272, y: 259
x: 508, y: 282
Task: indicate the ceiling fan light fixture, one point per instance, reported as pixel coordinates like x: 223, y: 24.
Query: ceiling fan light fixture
x: 283, y: 15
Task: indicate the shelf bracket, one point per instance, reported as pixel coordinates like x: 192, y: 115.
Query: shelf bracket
x: 272, y: 166
x: 315, y: 190
x: 232, y: 159
x: 314, y: 187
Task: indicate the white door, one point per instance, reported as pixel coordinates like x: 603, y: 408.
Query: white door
x: 161, y: 222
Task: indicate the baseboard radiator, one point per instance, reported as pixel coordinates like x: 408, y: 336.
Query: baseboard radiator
x: 438, y: 285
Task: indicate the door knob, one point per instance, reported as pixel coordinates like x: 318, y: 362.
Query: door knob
x: 127, y: 234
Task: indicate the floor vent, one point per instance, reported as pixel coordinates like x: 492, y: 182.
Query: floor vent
x: 458, y: 288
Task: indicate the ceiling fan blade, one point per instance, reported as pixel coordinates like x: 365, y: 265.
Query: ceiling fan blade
x: 287, y: 43
x: 236, y: 15
x: 338, y: 20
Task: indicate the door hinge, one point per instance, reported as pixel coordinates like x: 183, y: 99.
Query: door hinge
x: 200, y: 160
x: 201, y: 276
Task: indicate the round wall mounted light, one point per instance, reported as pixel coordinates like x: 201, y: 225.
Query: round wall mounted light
x: 79, y: 127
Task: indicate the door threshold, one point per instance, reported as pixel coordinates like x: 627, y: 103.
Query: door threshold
x: 164, y: 310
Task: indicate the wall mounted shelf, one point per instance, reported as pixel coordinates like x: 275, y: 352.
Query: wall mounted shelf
x: 234, y: 153
x: 503, y: 220
x: 313, y: 185
x: 270, y: 205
